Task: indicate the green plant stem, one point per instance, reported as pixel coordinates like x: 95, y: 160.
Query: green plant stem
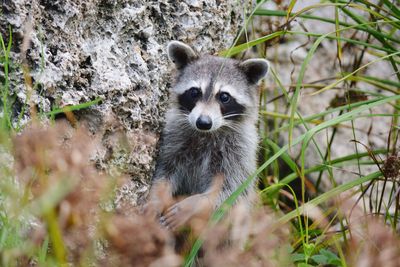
x: 329, y: 195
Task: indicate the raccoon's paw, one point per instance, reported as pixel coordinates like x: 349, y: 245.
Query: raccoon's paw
x: 181, y: 213
x: 152, y: 209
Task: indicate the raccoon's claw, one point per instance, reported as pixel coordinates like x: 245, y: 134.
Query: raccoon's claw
x: 174, y: 217
x: 162, y: 221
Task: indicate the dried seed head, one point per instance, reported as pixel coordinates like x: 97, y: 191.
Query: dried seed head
x: 391, y: 167
x: 53, y: 158
x: 138, y: 240
x: 246, y: 238
x: 373, y: 244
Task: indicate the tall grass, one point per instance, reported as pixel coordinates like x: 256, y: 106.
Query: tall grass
x: 378, y: 26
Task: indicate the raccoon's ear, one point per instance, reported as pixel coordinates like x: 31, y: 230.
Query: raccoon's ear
x: 255, y: 69
x: 180, y: 54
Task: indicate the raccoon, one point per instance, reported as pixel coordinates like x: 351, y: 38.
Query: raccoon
x: 210, y: 131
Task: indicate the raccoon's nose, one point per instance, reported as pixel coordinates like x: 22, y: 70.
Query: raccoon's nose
x: 204, y: 123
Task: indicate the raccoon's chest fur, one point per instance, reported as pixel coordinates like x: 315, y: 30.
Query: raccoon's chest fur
x: 190, y: 159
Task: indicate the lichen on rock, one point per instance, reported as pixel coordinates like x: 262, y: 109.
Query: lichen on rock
x: 115, y: 50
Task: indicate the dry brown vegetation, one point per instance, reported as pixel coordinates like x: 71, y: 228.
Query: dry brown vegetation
x: 70, y: 204
x: 69, y: 201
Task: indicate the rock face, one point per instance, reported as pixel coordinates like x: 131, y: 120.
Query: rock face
x: 115, y: 50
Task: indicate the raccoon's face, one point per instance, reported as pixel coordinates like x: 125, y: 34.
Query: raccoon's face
x: 213, y: 92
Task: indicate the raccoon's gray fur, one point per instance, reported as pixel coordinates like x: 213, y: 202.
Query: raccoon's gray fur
x: 211, y: 123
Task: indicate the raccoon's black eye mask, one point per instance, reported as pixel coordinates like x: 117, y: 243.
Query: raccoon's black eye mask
x: 187, y: 101
x: 195, y: 92
x: 230, y: 108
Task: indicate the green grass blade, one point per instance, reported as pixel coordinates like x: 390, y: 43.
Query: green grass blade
x: 384, y: 81
x: 286, y: 158
x: 337, y: 28
x: 392, y: 7
x: 265, y: 12
x: 237, y: 49
x: 338, y: 162
x: 246, y: 22
x: 42, y: 254
x: 73, y: 108
x: 329, y: 111
x: 354, y: 72
x: 290, y: 9
x: 342, y: 118
x: 5, y: 92
x: 348, y: 40
x: 294, y: 100
x: 328, y: 195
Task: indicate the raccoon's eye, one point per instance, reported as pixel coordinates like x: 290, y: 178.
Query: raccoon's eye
x: 195, y: 92
x: 224, y: 97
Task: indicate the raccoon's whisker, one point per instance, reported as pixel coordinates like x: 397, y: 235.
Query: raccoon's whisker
x: 235, y: 114
x: 232, y: 115
x: 180, y: 120
x: 233, y: 127
x: 183, y: 114
x: 184, y: 125
x: 236, y: 126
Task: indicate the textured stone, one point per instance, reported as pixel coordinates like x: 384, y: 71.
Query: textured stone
x: 114, y: 50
